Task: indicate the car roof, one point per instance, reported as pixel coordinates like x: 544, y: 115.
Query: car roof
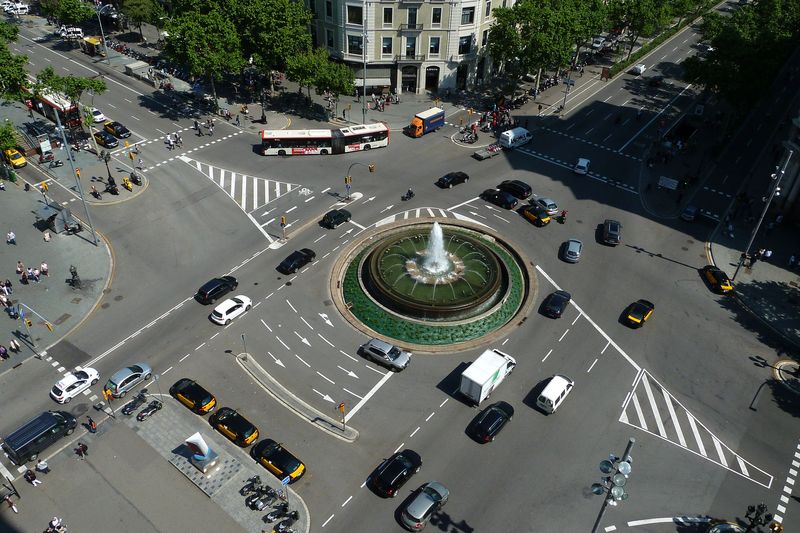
x: 420, y: 505
x: 546, y: 200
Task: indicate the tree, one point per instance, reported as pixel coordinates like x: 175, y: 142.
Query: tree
x: 586, y: 18
x: 141, y: 11
x: 73, y: 87
x: 641, y: 17
x: 336, y: 78
x: 304, y: 68
x: 8, y: 137
x: 207, y: 42
x: 13, y: 76
x: 72, y: 12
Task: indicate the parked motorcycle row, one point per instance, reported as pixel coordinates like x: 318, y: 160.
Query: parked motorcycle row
x: 150, y: 409
x: 259, y: 496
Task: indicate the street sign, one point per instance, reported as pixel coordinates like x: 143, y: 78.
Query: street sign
x: 285, y: 481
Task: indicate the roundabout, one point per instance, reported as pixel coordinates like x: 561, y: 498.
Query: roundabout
x: 435, y: 285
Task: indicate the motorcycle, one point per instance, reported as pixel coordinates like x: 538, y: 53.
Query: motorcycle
x: 282, y: 527
x: 281, y: 511
x: 126, y: 182
x: 261, y: 499
x: 136, y: 178
x: 55, y: 163
x: 151, y: 408
x: 407, y: 196
x: 134, y: 404
x: 96, y: 193
x: 112, y: 188
x: 254, y: 485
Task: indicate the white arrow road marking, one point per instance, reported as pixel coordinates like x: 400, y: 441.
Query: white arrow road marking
x: 369, y: 199
x: 277, y: 361
x: 324, y: 317
x: 348, y: 372
x: 386, y: 208
x: 324, y: 396
x: 302, y: 339
x: 473, y: 213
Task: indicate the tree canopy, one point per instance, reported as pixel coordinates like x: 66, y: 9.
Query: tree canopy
x: 12, y: 66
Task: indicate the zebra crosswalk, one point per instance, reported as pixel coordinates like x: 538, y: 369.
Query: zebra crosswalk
x: 249, y: 192
x: 651, y: 408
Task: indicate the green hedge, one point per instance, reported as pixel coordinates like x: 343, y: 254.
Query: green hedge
x: 385, y: 323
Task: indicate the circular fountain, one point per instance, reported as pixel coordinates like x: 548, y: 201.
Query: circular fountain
x: 434, y: 286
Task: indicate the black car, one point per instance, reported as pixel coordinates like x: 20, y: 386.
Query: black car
x: 117, y: 130
x: 452, y: 178
x: 335, y: 218
x: 518, y: 189
x: 105, y: 139
x: 499, y: 198
x: 485, y: 427
x: 215, y: 289
x: 555, y: 303
x: 234, y: 426
x: 393, y: 473
x: 297, y: 260
x: 192, y: 395
x: 612, y: 232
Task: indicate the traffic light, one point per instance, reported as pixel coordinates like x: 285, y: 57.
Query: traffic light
x: 28, y: 322
x: 371, y: 167
x: 49, y: 326
x: 130, y: 155
x: 78, y: 172
x: 348, y: 180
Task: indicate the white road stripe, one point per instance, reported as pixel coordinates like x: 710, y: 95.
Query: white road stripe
x: 639, y: 412
x: 742, y: 466
x: 301, y: 360
x: 697, y: 435
x: 661, y: 430
x: 668, y: 399
x: 717, y: 445
x: 369, y: 395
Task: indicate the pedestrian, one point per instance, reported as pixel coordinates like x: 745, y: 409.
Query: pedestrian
x: 14, y: 345
x: 24, y: 278
x: 56, y: 524
x: 36, y: 274
x: 754, y: 259
x: 237, y: 121
x: 44, y: 268
x: 82, y: 450
x: 730, y: 231
x: 9, y: 287
x: 792, y: 261
x: 92, y: 425
x: 178, y: 139
x: 11, y: 503
x: 30, y: 477
x: 20, y: 267
x: 42, y: 467
x: 11, y: 238
x: 140, y: 164
x: 211, y: 130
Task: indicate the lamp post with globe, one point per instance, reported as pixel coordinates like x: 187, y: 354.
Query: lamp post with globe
x: 616, y: 471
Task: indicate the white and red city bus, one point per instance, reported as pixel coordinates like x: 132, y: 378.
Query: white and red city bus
x: 305, y: 142
x: 48, y: 104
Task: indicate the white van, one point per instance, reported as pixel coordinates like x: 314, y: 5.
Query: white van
x: 554, y: 393
x: 517, y: 137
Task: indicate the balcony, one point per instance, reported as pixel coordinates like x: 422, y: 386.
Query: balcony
x: 410, y: 27
x: 409, y: 58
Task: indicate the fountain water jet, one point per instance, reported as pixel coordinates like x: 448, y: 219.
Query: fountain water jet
x: 436, y: 258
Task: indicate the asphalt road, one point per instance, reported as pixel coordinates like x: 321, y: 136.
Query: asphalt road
x: 681, y: 386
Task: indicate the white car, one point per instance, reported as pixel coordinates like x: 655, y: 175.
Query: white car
x: 6, y: 4
x: 73, y: 383
x: 98, y: 115
x: 19, y: 9
x: 582, y: 166
x: 597, y: 43
x: 230, y: 309
x: 639, y: 69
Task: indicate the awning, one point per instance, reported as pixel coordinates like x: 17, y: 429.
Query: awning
x: 372, y: 82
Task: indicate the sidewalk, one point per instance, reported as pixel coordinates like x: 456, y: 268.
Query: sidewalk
x: 52, y: 300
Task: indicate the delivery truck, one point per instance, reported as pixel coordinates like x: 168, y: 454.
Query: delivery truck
x: 487, y: 372
x: 426, y: 122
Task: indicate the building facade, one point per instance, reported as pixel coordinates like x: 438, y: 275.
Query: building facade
x: 410, y: 45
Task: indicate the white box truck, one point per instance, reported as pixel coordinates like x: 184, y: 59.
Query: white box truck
x: 485, y: 374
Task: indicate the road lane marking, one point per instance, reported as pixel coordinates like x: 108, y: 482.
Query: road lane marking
x: 717, y: 445
x: 430, y: 416
x: 563, y: 335
x: 347, y: 501
x: 654, y: 406
x: 350, y: 356
x: 548, y: 355
x: 265, y: 324
x: 302, y: 361
x: 369, y: 395
x: 675, y: 423
x: 353, y: 393
x: 328, y: 520
x: 184, y: 357
x: 280, y: 341
x: 323, y: 376
x: 399, y: 447
x: 639, y: 412
x: 414, y: 432
x: 376, y: 370
x: 444, y: 402
x: 290, y: 305
x: 326, y: 340
x: 199, y: 347
x: 697, y: 438
x: 592, y: 366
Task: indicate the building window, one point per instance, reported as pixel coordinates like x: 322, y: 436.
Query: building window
x: 354, y: 45
x: 329, y: 38
x: 387, y: 16
x: 354, y: 15
x: 436, y: 17
x: 488, y: 8
x: 485, y: 38
x: 433, y: 49
x: 412, y: 17
x: 467, y: 15
x: 329, y: 9
x: 464, y: 44
x: 386, y: 46
x: 411, y: 47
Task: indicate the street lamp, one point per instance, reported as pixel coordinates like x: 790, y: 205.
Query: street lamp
x: 103, y: 36
x: 105, y: 155
x: 612, y: 484
x: 777, y: 176
x: 757, y: 515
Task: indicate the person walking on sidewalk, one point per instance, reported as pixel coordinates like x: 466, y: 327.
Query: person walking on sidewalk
x: 30, y: 477
x: 44, y: 268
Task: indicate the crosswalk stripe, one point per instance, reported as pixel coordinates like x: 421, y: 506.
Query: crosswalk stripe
x: 742, y: 466
x: 675, y: 422
x: 697, y: 435
x: 661, y: 430
x: 233, y: 186
x: 639, y: 412
x: 717, y: 445
x: 255, y: 194
x: 244, y: 192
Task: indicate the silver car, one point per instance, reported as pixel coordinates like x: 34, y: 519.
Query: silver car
x: 430, y: 498
x: 572, y: 251
x: 125, y: 379
x: 549, y: 204
x: 386, y: 354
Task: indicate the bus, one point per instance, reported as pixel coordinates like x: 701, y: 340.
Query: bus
x: 48, y: 104
x: 340, y: 141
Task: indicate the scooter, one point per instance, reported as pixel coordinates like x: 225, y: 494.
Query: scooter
x: 262, y: 499
x: 281, y: 511
x: 408, y: 195
x: 134, y: 404
x: 254, y: 485
x: 112, y: 188
x: 126, y: 182
x: 151, y: 408
x: 56, y: 163
x: 136, y: 178
x: 282, y: 527
x: 96, y: 193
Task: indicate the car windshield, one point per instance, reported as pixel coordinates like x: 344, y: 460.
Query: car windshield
x: 80, y: 374
x: 217, y: 314
x: 394, y: 353
x: 56, y: 390
x: 238, y: 301
x: 432, y: 494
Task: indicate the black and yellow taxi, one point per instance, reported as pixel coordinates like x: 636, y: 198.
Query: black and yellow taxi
x: 234, y: 426
x: 105, y: 139
x: 117, y: 129
x: 536, y: 214
x: 195, y: 397
x: 638, y: 313
x: 278, y: 460
x: 717, y: 279
x: 14, y: 158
